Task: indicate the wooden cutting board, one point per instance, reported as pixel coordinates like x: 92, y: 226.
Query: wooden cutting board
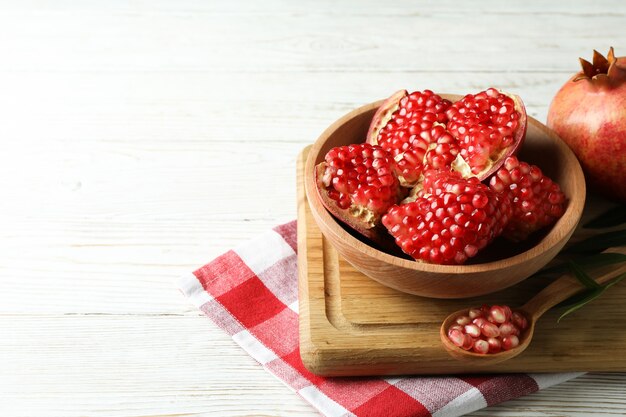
x: 352, y: 325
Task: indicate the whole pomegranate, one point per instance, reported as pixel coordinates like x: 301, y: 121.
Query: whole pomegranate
x: 589, y: 113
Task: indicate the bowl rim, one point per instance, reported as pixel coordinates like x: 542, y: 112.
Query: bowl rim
x: 563, y: 227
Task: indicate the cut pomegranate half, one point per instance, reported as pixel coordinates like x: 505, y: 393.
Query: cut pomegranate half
x: 424, y: 131
x: 357, y: 184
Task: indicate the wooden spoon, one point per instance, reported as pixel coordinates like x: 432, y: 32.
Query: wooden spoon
x: 558, y: 291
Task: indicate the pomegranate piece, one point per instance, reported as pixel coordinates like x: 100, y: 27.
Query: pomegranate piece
x: 488, y: 126
x: 486, y: 337
x: 402, y: 126
x: 473, y: 136
x: 450, y: 221
x: 357, y: 185
x: 537, y: 200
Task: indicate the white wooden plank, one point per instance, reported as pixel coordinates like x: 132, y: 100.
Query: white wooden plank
x: 124, y: 110
x: 416, y: 39
x: 124, y: 366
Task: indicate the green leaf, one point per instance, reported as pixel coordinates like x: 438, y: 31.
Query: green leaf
x: 586, y: 262
x: 598, y: 243
x: 574, y: 300
x: 613, y: 217
x: 582, y: 276
x: 588, y: 296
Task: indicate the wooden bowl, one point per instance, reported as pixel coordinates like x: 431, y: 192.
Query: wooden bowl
x: 498, y: 266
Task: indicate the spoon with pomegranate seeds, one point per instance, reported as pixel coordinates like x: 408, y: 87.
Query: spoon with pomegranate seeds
x: 492, y: 334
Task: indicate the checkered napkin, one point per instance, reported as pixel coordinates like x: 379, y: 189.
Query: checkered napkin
x: 252, y: 294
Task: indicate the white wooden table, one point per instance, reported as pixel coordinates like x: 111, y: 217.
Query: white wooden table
x: 142, y: 138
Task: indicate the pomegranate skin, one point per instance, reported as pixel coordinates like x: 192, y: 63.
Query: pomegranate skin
x: 589, y: 114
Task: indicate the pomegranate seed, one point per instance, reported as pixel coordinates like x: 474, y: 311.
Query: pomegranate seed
x: 472, y: 330
x: 463, y: 320
x: 480, y: 322
x: 507, y: 312
x: 498, y: 314
x: 457, y: 337
x: 481, y: 346
x: 468, y: 342
x: 456, y: 327
x: 519, y: 320
x: 490, y: 330
x: 495, y: 345
x: 510, y: 342
x: 507, y: 329
x: 475, y: 312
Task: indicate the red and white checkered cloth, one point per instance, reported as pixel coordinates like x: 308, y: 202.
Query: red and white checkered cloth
x: 251, y: 292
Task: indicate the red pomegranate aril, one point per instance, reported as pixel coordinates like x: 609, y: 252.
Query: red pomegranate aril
x: 507, y: 312
x: 472, y: 330
x: 498, y: 314
x: 456, y: 327
x: 507, y: 329
x: 457, y: 337
x: 475, y: 312
x: 510, y: 342
x: 480, y: 321
x: 490, y: 330
x: 468, y: 342
x: 481, y: 346
x: 463, y: 320
x: 495, y: 345
x: 484, y: 334
x: 519, y: 320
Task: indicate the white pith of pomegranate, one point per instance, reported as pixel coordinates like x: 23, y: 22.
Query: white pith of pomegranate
x: 473, y: 136
x: 451, y: 221
x: 537, y: 200
x: 589, y: 114
x: 357, y: 184
x: 488, y: 329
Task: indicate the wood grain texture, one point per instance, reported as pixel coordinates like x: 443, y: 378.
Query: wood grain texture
x: 133, y: 135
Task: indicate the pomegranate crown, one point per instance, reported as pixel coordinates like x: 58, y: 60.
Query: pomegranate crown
x: 603, y: 69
